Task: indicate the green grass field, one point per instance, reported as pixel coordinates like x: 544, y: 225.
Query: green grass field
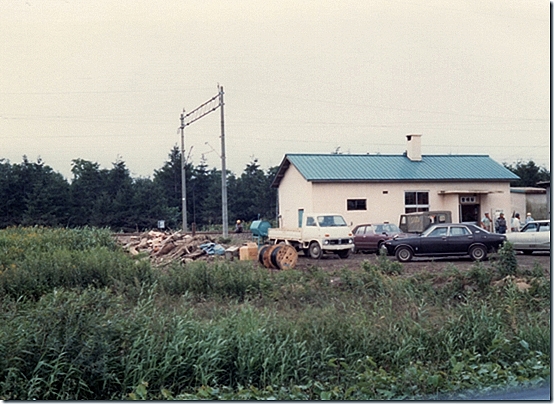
x: 80, y: 319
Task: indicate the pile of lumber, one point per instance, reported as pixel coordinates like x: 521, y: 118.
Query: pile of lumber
x: 163, y: 247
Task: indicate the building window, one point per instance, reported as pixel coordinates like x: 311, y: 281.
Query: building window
x: 416, y: 201
x: 356, y: 204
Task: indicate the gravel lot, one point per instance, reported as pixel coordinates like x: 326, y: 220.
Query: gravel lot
x: 332, y: 262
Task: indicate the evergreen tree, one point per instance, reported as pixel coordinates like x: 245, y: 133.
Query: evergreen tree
x: 529, y: 173
x: 32, y: 193
x: 147, y: 206
x: 119, y: 191
x: 168, y: 178
x: 48, y: 202
x: 252, y: 197
x: 88, y: 194
x: 11, y: 211
x: 204, y: 195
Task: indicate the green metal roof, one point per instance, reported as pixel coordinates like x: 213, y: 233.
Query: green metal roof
x: 378, y: 167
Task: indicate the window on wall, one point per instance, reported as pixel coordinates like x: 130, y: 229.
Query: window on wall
x: 416, y: 201
x: 356, y: 204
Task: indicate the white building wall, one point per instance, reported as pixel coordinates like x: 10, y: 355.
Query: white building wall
x: 385, y: 201
x: 294, y: 193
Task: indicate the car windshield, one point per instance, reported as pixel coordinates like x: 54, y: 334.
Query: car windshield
x: 331, y: 221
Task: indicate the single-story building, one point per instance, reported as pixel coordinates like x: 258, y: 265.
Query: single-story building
x: 546, y: 186
x: 376, y: 188
x: 530, y: 199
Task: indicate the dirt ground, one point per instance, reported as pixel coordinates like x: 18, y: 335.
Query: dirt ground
x: 332, y: 262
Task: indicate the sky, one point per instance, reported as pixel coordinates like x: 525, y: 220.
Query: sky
x: 106, y: 80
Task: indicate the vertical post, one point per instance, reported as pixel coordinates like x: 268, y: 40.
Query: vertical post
x: 183, y: 177
x: 223, y: 169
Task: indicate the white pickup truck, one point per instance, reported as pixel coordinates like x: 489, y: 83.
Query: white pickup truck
x: 320, y: 233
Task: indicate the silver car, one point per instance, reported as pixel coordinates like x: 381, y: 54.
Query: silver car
x: 534, y: 236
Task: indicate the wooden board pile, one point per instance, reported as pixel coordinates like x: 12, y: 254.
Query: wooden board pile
x: 163, y: 247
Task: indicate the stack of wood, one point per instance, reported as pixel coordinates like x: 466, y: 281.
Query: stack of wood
x: 163, y: 247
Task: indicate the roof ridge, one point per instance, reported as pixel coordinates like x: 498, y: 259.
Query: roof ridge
x: 383, y: 155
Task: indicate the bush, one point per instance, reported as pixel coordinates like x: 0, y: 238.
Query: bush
x: 480, y: 276
x: 38, y: 260
x: 507, y: 261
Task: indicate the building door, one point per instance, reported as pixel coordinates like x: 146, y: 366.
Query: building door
x: 469, y: 213
x: 469, y: 209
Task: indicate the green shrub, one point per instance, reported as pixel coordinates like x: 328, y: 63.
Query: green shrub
x: 507, y: 261
x: 388, y: 266
x: 480, y: 276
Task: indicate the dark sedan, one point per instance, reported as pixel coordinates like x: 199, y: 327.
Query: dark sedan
x: 370, y: 237
x: 446, y: 239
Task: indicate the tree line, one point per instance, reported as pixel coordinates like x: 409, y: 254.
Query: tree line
x: 32, y: 193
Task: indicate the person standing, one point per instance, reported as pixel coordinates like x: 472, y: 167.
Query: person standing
x: 516, y: 223
x: 486, y: 222
x: 529, y: 218
x: 500, y: 224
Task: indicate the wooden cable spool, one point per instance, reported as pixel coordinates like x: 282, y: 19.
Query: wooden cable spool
x: 261, y: 252
x: 277, y: 256
x: 284, y: 256
x: 267, y: 256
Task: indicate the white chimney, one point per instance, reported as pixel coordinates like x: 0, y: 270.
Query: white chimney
x: 413, y: 147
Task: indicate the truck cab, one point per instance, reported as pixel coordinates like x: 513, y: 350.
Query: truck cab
x: 319, y: 233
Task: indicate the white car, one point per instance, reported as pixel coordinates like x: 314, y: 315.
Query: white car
x: 534, y: 236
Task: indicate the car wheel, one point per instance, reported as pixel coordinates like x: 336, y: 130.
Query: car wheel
x: 381, y: 249
x: 315, y: 250
x: 404, y: 254
x: 477, y: 253
x: 343, y: 253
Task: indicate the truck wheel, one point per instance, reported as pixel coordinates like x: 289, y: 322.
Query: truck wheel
x: 315, y: 250
x: 404, y: 254
x: 343, y: 253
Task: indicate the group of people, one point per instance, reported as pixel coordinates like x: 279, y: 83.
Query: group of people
x: 500, y: 224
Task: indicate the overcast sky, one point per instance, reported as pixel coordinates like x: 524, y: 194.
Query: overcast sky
x: 107, y: 80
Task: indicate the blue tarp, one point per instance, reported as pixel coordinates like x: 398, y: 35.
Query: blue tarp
x: 212, y: 249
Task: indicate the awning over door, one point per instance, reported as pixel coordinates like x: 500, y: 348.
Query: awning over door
x: 467, y: 191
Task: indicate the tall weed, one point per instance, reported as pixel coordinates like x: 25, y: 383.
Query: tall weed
x: 89, y: 322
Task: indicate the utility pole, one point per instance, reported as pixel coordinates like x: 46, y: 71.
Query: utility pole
x: 183, y: 177
x: 223, y: 170
x: 193, y: 116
